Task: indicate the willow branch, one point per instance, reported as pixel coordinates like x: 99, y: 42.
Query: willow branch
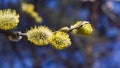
x: 16, y: 33
x: 66, y: 29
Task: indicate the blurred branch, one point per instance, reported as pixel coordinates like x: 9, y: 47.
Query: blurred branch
x: 111, y: 15
x: 95, y: 12
x: 36, y: 62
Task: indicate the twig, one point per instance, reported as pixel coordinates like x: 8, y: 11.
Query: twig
x: 111, y: 15
x: 16, y: 33
x: 72, y: 28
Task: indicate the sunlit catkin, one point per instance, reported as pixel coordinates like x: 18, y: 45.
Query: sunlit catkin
x: 9, y: 19
x: 60, y: 40
x: 39, y: 35
x: 84, y: 29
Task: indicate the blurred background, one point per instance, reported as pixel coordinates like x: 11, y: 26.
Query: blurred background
x: 99, y: 50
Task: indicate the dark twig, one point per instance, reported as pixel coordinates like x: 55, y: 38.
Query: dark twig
x: 16, y: 33
x: 111, y: 15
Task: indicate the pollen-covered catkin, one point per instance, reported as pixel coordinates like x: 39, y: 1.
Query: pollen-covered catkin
x: 40, y: 35
x: 84, y: 29
x: 9, y: 19
x: 60, y: 40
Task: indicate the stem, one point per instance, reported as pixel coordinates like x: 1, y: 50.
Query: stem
x: 16, y: 33
x: 71, y: 28
x: 75, y: 27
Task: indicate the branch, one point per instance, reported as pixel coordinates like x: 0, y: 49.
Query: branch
x: 16, y: 33
x: 13, y: 35
x: 66, y: 29
x: 111, y: 15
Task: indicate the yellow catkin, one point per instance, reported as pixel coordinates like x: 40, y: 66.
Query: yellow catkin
x: 40, y: 35
x: 38, y: 19
x: 9, y: 19
x: 60, y: 40
x: 34, y: 14
x: 27, y: 7
x: 85, y: 29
